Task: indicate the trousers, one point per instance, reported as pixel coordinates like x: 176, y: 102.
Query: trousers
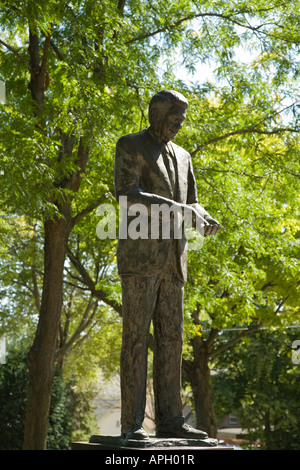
x: 158, y: 299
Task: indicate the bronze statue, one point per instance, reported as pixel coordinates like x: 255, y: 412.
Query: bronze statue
x: 150, y: 170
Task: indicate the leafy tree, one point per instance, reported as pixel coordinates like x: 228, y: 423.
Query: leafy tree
x: 79, y: 75
x: 260, y: 382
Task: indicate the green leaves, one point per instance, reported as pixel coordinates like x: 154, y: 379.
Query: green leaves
x: 261, y: 384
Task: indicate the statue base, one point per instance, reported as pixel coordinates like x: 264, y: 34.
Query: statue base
x: 99, y: 442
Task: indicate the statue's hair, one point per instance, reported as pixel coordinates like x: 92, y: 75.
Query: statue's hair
x: 168, y: 97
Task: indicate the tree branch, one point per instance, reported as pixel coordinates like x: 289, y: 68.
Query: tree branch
x: 239, y: 173
x: 230, y: 343
x: 88, y: 281
x: 73, y: 180
x: 163, y: 29
x: 56, y: 50
x: 36, y: 293
x: 199, y: 15
x: 222, y: 197
x: 86, y: 320
x: 15, y: 52
x: 34, y: 52
x: 121, y: 5
x: 212, y: 336
x: 89, y: 209
x: 250, y: 130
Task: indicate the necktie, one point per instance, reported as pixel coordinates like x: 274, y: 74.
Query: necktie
x: 169, y: 164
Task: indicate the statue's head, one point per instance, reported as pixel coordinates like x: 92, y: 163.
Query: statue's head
x: 167, y: 111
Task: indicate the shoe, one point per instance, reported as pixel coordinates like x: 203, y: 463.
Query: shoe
x: 185, y: 432
x: 137, y: 434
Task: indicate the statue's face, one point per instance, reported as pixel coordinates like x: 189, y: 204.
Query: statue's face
x: 166, y: 124
x: 172, y: 123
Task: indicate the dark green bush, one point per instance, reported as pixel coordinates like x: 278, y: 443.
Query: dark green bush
x: 13, y: 393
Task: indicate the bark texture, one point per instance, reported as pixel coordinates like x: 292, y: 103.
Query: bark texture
x: 41, y: 358
x: 198, y: 373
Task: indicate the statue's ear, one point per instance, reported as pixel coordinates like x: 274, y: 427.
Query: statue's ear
x: 153, y: 115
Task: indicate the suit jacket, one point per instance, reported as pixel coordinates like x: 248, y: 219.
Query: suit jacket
x: 141, y: 175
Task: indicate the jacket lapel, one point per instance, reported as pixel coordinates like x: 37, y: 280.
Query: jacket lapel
x: 153, y: 154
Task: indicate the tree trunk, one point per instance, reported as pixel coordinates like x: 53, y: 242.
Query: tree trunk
x: 41, y: 358
x: 198, y: 373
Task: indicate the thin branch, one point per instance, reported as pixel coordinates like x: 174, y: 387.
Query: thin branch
x: 239, y: 173
x: 212, y: 336
x: 244, y: 173
x: 280, y: 304
x: 163, y: 29
x: 194, y: 16
x: 89, y: 209
x: 230, y: 343
x: 15, y: 52
x: 71, y: 284
x: 253, y: 129
x: 73, y: 180
x: 90, y: 283
x: 292, y: 173
x: 222, y: 197
x: 83, y: 325
x: 36, y: 293
x: 250, y: 130
x: 56, y: 50
x: 82, y: 338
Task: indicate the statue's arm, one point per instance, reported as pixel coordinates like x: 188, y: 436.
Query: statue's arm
x: 127, y: 178
x: 127, y: 184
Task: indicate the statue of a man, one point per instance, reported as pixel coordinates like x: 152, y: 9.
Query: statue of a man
x: 151, y: 170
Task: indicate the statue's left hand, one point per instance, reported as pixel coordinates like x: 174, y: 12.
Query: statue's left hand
x: 213, y: 228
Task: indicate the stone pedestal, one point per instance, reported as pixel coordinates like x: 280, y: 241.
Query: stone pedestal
x: 116, y: 443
